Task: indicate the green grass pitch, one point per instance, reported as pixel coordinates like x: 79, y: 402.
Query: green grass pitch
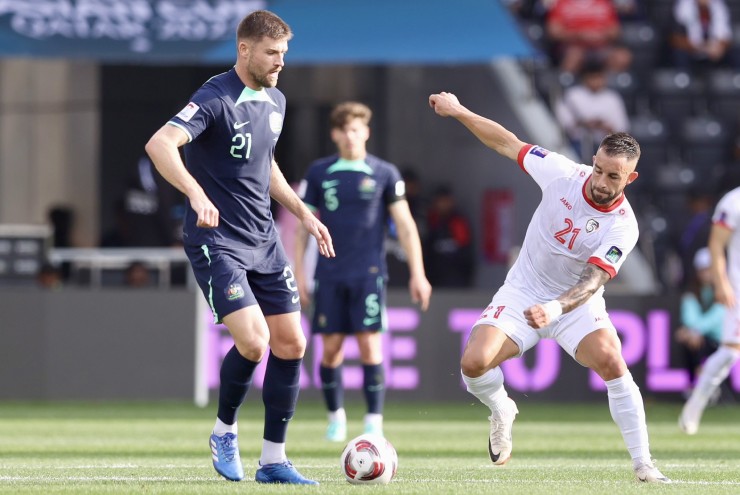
x: 156, y: 448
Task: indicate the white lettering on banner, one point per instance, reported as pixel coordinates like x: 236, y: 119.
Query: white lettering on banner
x: 137, y: 21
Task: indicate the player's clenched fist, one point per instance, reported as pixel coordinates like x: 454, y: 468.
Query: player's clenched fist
x: 444, y: 104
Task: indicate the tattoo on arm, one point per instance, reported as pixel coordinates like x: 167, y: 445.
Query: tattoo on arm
x: 591, y: 279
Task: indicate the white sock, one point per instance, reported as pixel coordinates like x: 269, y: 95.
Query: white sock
x: 374, y: 419
x: 272, y: 453
x: 628, y: 412
x: 488, y: 388
x: 713, y: 373
x: 338, y: 415
x: 220, y: 428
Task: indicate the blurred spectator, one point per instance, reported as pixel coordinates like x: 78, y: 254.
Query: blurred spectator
x: 590, y: 110
x: 628, y: 10
x: 695, y: 232
x: 148, y: 215
x: 413, y: 194
x: 529, y: 9
x: 701, y: 35
x: 701, y: 317
x: 448, y: 247
x: 119, y: 235
x: 586, y: 28
x: 398, y: 268
x: 137, y: 275
x: 49, y: 277
x: 62, y: 219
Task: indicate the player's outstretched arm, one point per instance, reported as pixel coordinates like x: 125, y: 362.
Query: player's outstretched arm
x: 281, y: 192
x: 490, y: 133
x: 592, y: 278
x: 162, y: 148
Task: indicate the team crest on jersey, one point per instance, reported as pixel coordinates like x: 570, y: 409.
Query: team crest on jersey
x: 234, y: 292
x: 187, y: 113
x: 367, y: 185
x: 276, y: 122
x: 539, y: 151
x: 613, y: 254
x: 591, y: 225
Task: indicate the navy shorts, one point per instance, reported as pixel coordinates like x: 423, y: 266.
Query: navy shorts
x: 233, y: 278
x: 349, y: 306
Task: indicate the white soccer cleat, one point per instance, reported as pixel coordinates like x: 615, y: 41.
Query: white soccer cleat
x: 499, y: 440
x: 689, y: 419
x: 648, y: 473
x: 686, y: 426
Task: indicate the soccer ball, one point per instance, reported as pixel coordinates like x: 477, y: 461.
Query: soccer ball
x: 369, y: 460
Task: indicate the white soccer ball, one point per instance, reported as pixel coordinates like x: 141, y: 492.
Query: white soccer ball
x: 369, y: 460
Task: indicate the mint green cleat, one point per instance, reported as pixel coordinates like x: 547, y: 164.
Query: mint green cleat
x: 373, y: 429
x: 336, y: 431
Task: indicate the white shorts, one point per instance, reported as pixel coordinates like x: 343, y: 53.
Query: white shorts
x: 506, y: 311
x: 731, y: 326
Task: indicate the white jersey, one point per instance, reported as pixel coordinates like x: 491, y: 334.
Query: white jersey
x: 568, y: 230
x: 727, y: 214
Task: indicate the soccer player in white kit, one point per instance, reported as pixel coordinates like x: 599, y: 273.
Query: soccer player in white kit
x: 724, y: 247
x: 578, y: 238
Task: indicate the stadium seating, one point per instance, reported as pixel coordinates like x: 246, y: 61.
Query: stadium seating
x: 704, y: 141
x: 674, y: 95
x: 723, y: 91
x: 652, y: 134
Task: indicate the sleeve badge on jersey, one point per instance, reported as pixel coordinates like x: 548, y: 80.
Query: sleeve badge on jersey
x: 400, y: 188
x: 187, y: 113
x: 613, y: 254
x: 539, y: 151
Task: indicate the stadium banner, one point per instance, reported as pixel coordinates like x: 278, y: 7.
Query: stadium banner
x: 422, y: 351
x: 141, y: 345
x: 153, y: 31
x: 203, y: 31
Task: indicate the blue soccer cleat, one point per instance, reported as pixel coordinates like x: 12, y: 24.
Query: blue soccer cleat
x: 281, y: 472
x: 226, y: 460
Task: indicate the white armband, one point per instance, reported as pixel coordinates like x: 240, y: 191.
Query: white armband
x: 553, y: 309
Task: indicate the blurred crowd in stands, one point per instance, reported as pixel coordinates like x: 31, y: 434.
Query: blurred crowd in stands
x: 667, y: 72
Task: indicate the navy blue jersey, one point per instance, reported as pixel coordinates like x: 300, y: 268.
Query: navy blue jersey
x: 352, y: 199
x: 232, y: 132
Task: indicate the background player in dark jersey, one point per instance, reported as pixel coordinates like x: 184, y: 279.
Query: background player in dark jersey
x: 354, y: 193
x: 229, y: 130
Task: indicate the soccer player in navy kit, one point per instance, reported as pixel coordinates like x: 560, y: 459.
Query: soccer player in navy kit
x: 355, y: 194
x: 229, y: 130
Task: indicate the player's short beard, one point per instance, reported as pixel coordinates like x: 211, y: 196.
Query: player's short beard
x: 606, y: 200
x: 262, y: 80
